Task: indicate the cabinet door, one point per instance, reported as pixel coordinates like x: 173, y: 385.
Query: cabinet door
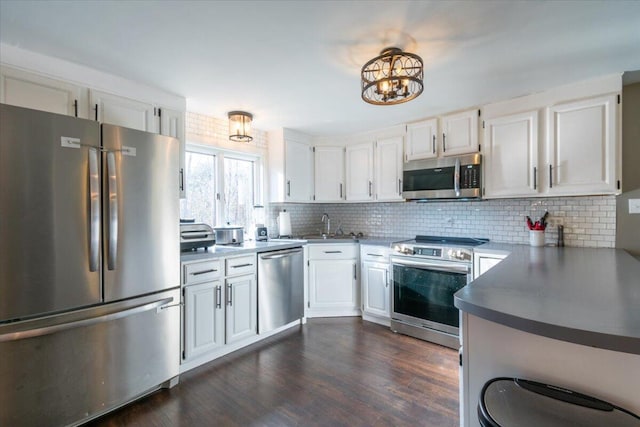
x: 172, y: 124
x: 375, y: 289
x: 332, y: 284
x: 388, y: 167
x: 298, y: 172
x: 581, y: 150
x: 242, y: 308
x: 460, y: 133
x: 511, y: 155
x: 359, y: 165
x: 203, y: 318
x: 329, y: 174
x: 422, y: 140
x: 28, y: 90
x: 483, y: 263
x: 120, y: 111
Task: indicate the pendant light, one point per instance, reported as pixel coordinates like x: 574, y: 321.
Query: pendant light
x: 240, y: 126
x: 392, y: 78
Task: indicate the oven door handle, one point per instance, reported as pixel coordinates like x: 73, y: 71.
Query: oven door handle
x: 455, y: 268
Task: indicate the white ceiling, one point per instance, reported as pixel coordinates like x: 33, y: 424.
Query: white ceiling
x: 297, y: 63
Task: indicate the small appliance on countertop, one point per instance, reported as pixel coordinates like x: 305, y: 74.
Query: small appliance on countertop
x: 261, y: 233
x: 195, y: 235
x: 229, y: 235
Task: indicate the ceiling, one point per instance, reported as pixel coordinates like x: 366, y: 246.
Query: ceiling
x: 297, y: 64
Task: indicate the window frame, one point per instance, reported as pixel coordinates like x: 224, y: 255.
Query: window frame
x: 219, y: 156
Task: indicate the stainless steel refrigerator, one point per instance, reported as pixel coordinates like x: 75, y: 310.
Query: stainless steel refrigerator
x: 89, y: 266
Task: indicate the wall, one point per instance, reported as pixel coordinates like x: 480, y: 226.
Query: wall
x: 628, y: 232
x: 589, y: 221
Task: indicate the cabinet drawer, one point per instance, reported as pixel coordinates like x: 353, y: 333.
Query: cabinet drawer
x: 374, y: 253
x: 241, y: 265
x: 332, y: 251
x: 201, y: 272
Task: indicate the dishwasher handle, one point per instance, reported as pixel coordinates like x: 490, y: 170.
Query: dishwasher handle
x: 280, y: 254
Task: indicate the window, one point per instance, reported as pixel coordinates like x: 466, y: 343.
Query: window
x: 222, y: 187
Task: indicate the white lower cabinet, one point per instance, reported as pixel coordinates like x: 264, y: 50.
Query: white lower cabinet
x: 376, y: 284
x: 375, y: 288
x: 242, y: 308
x: 333, y: 280
x: 219, y: 310
x: 204, y: 318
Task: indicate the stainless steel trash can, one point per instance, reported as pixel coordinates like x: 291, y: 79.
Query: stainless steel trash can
x: 507, y: 402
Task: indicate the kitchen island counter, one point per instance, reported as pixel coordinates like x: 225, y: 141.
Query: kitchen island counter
x: 580, y: 295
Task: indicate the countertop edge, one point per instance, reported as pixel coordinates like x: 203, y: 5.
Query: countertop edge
x: 601, y: 340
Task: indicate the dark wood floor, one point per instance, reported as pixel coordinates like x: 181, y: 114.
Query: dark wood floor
x: 330, y: 372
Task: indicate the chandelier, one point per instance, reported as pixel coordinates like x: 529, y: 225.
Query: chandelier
x: 240, y: 126
x: 392, y: 78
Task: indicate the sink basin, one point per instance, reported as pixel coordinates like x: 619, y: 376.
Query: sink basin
x: 328, y: 237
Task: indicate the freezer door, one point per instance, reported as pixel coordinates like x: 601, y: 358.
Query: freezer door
x: 49, y: 212
x: 74, y: 366
x: 141, y: 212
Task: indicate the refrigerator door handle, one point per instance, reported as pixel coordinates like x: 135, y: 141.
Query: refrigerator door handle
x: 94, y: 210
x: 87, y: 321
x: 112, y: 193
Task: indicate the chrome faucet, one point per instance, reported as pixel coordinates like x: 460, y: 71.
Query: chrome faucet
x: 326, y: 217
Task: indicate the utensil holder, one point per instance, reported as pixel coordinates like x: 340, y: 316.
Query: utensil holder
x: 536, y: 237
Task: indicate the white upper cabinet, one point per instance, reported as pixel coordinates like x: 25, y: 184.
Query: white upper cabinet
x: 120, y: 111
x: 329, y: 173
x: 460, y: 133
x: 581, y: 147
x: 172, y: 124
x: 29, y: 90
x: 510, y: 151
x: 299, y: 168
x: 388, y: 168
x: 290, y: 167
x: 359, y: 166
x: 422, y: 140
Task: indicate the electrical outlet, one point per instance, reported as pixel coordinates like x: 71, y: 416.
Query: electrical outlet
x: 634, y: 206
x: 554, y: 221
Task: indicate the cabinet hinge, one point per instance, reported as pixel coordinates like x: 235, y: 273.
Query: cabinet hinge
x: 478, y: 112
x: 618, y: 184
x: 618, y: 98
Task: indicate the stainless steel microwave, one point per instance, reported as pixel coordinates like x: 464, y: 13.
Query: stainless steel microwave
x: 443, y: 178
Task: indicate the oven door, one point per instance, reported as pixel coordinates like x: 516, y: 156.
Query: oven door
x: 423, y: 292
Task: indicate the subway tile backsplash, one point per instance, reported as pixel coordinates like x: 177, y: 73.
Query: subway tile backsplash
x: 588, y: 221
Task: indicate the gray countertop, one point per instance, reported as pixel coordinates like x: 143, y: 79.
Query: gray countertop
x: 245, y: 248
x: 581, y: 295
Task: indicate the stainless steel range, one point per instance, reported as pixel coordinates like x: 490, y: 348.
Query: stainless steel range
x: 427, y: 271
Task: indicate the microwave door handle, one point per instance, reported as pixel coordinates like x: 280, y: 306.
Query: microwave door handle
x: 94, y: 209
x: 112, y: 194
x: 456, y: 178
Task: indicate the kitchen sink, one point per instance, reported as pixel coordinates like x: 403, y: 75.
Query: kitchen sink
x: 329, y: 237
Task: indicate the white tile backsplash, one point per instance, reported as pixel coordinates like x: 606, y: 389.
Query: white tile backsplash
x: 588, y: 221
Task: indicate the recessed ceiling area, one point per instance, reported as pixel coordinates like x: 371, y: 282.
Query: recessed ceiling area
x: 297, y: 64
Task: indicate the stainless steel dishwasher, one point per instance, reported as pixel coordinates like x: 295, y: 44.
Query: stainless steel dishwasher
x: 280, y: 288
